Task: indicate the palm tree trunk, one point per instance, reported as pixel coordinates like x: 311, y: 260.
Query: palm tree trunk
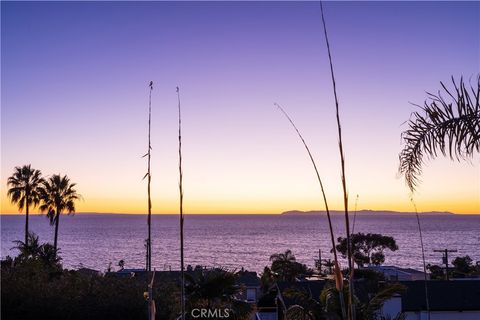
x: 57, y: 219
x: 26, y: 221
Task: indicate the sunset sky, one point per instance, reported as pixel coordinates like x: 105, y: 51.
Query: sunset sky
x: 74, y: 84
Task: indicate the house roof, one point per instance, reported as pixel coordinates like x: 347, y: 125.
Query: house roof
x: 443, y: 295
x: 88, y: 271
x: 395, y: 269
x: 248, y: 278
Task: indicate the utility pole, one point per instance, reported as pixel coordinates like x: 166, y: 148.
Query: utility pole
x: 445, y: 259
x: 318, y: 263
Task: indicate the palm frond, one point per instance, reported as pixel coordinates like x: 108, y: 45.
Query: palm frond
x: 24, y: 184
x: 448, y: 126
x: 376, y: 303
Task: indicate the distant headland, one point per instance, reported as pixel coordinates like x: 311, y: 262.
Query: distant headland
x: 366, y: 212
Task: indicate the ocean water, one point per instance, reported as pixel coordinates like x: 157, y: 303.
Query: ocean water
x: 235, y: 241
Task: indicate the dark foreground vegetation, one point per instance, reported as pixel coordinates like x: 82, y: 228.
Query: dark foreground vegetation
x: 36, y: 286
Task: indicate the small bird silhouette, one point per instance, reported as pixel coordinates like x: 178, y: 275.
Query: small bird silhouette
x: 178, y: 89
x: 151, y: 85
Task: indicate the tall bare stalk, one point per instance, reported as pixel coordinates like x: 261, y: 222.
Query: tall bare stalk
x: 180, y: 187
x: 338, y: 273
x: 423, y: 258
x: 352, y: 270
x: 149, y: 178
x: 355, y: 216
x: 342, y: 158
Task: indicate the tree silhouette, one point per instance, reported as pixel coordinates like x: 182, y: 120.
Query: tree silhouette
x: 57, y: 195
x: 367, y: 248
x: 23, y: 191
x: 285, y: 267
x: 216, y: 289
x: 33, y: 250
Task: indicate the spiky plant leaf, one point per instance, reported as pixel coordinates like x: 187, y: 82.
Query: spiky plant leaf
x: 447, y: 124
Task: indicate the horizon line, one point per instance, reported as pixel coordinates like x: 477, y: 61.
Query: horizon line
x: 292, y: 212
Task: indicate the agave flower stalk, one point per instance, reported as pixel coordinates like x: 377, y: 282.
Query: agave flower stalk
x: 180, y: 187
x: 355, y: 216
x: 352, y: 271
x: 149, y: 179
x: 338, y: 274
x: 423, y: 258
x: 342, y: 158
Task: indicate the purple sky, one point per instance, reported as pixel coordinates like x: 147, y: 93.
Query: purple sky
x: 74, y: 100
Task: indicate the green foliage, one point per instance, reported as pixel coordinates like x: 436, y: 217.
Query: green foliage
x: 24, y: 183
x: 367, y: 248
x: 266, y: 279
x: 57, y: 195
x: 461, y: 267
x: 377, y: 294
x: 306, y: 307
x: 330, y: 300
x: 24, y: 190
x: 446, y: 124
x: 32, y: 250
x: 215, y: 289
x: 33, y: 290
x: 368, y: 311
x: 210, y: 286
x: 297, y: 312
x: 436, y: 272
x: 286, y: 268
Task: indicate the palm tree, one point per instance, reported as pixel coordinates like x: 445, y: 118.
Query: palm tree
x: 23, y: 191
x: 367, y: 310
x: 306, y: 307
x: 57, y: 195
x: 285, y: 257
x: 282, y: 265
x: 28, y: 249
x: 448, y: 124
x: 216, y: 289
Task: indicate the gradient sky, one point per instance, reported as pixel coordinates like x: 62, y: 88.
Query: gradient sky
x: 74, y: 100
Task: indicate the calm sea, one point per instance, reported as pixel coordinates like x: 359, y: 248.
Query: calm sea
x: 236, y: 241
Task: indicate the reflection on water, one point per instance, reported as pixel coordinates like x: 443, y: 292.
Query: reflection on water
x: 236, y: 241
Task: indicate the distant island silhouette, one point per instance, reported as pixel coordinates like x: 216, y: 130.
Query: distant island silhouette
x: 364, y: 212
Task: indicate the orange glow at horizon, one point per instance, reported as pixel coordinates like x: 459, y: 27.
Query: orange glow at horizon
x: 134, y: 206
x: 240, y: 155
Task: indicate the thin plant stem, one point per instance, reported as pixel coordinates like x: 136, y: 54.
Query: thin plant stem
x: 148, y: 267
x: 427, y: 302
x: 338, y: 276
x: 352, y: 271
x: 149, y: 177
x: 354, y: 216
x: 342, y: 157
x: 180, y: 187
